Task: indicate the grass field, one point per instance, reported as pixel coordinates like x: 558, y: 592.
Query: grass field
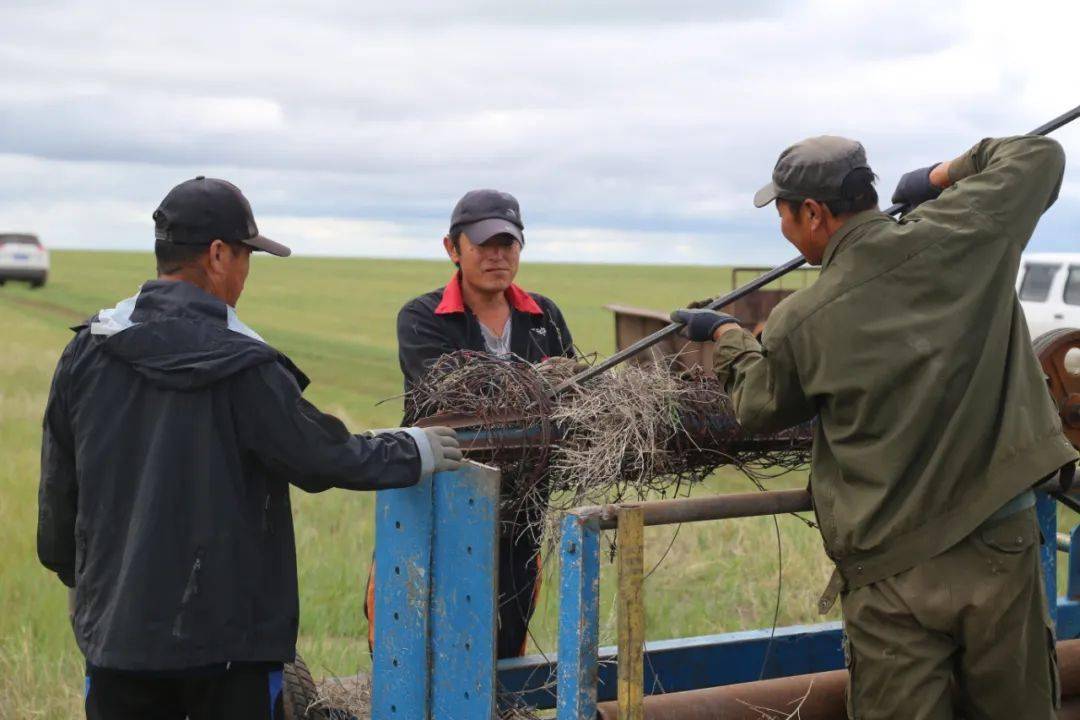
x: 335, y: 318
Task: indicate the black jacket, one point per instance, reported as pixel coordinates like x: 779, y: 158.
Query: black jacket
x: 433, y: 325
x: 438, y: 323
x: 171, y: 435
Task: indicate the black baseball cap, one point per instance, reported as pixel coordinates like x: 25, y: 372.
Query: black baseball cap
x: 484, y: 214
x: 199, y: 211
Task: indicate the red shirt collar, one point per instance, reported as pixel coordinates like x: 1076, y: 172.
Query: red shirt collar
x: 453, y: 302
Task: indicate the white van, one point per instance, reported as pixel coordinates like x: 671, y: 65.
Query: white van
x: 1049, y: 288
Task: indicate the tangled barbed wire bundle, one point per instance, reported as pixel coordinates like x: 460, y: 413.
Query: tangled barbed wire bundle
x: 637, y: 432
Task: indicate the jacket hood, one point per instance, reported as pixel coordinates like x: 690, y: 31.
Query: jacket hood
x: 180, y: 337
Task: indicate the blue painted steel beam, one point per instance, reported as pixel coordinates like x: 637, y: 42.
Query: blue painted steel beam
x: 436, y: 569
x: 1068, y: 619
x: 1046, y: 509
x: 403, y: 530
x: 1072, y: 590
x: 464, y: 594
x: 579, y: 617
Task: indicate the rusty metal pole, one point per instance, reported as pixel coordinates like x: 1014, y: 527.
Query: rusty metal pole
x: 710, y: 507
x: 631, y: 613
x: 814, y: 697
x: 818, y: 696
x: 647, y: 342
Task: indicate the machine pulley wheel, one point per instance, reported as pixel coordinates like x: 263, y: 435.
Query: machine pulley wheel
x: 1059, y: 354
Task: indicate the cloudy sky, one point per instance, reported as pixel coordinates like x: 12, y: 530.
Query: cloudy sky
x: 631, y: 131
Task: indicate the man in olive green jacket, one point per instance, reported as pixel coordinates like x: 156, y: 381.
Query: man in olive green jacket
x: 933, y: 418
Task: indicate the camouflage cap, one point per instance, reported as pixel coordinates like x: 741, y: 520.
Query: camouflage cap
x: 813, y: 169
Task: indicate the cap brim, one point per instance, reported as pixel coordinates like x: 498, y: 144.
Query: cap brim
x: 481, y: 231
x: 267, y: 245
x: 766, y: 195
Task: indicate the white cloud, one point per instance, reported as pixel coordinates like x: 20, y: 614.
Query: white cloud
x: 607, y: 119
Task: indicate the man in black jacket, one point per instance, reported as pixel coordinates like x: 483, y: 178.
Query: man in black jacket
x: 482, y: 309
x: 171, y: 435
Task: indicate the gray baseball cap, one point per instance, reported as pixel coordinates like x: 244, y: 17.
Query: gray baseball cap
x: 484, y: 214
x: 813, y: 169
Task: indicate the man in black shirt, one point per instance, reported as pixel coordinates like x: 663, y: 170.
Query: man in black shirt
x: 482, y: 309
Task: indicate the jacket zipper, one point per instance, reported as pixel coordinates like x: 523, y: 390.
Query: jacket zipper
x: 192, y: 587
x: 268, y: 526
x: 190, y: 591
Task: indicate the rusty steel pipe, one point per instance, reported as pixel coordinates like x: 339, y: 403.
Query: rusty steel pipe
x: 823, y: 693
x: 714, y: 507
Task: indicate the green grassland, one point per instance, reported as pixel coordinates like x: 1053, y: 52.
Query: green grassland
x: 335, y: 318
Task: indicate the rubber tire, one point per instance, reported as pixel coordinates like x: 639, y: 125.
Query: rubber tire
x: 298, y: 691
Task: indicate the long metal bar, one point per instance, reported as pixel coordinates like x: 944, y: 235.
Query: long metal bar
x: 650, y: 340
x: 808, y: 697
x: 506, y: 432
x: 818, y: 696
x: 712, y: 507
x: 1061, y: 120
x: 631, y: 613
x: 774, y: 274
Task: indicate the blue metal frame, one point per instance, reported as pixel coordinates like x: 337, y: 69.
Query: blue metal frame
x: 1046, y: 510
x: 1072, y: 588
x: 404, y: 520
x: 689, y: 663
x: 464, y: 595
x: 436, y: 569
x: 579, y: 617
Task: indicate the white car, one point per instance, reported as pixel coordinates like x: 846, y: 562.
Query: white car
x: 23, y: 258
x: 1049, y: 288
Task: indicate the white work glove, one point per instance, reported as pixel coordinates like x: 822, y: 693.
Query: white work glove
x: 444, y: 448
x: 438, y: 446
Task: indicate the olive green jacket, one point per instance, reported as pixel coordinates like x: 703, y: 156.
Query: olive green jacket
x: 912, y: 352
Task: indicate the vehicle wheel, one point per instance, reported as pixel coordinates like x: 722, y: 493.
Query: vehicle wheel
x: 35, y: 284
x: 298, y: 692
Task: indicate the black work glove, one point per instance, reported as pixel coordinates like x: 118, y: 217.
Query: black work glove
x: 914, y: 189
x: 699, y: 325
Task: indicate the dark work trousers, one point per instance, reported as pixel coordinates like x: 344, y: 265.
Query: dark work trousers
x: 239, y: 691
x: 973, y: 619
